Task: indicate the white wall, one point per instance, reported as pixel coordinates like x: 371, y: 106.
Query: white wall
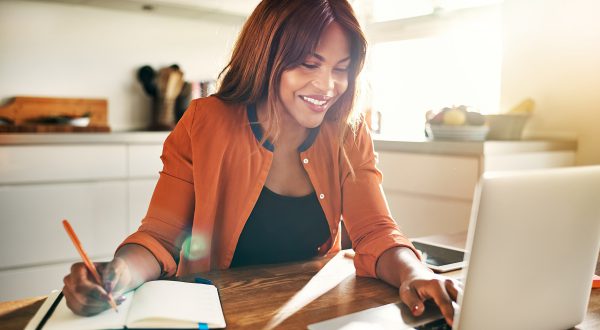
x: 552, y: 54
x: 49, y: 49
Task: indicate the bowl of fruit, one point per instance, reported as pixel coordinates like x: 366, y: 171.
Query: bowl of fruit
x: 456, y: 123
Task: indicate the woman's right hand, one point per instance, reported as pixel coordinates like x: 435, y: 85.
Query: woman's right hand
x: 86, y: 297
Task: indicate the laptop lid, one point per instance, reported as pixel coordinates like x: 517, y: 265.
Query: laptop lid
x: 532, y: 247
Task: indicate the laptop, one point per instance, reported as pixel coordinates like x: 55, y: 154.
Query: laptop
x: 531, y: 252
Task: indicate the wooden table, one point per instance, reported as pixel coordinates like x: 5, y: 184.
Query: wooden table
x: 288, y: 296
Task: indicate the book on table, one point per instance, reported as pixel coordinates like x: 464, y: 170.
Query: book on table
x: 157, y: 304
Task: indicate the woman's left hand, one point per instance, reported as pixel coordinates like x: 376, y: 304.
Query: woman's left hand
x: 422, y: 284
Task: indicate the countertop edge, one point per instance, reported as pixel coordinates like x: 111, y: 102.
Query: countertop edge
x: 424, y: 146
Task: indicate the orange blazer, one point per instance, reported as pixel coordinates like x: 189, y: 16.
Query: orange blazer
x: 214, y: 168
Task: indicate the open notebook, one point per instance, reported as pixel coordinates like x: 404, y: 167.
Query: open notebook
x: 155, y: 304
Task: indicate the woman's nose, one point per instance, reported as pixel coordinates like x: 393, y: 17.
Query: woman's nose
x: 324, y: 80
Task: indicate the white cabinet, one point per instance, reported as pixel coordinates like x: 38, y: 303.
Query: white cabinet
x: 144, y: 160
x: 32, y: 281
x: 102, y: 187
x: 429, y: 193
x: 430, y: 187
x: 32, y: 232
x: 419, y: 215
x: 27, y: 164
x: 140, y: 191
x: 529, y: 160
x: 438, y: 175
x: 144, y: 165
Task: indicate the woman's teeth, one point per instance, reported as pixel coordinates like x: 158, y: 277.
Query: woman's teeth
x: 313, y: 101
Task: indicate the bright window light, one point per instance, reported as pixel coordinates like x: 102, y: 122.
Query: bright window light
x: 458, y: 62
x: 387, y: 10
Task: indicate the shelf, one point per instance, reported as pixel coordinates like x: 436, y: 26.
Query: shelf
x: 223, y: 12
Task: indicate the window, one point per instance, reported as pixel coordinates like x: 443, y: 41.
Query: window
x: 446, y: 56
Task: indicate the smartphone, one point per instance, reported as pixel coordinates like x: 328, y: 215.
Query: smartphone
x: 440, y: 258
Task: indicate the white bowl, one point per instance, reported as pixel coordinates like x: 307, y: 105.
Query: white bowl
x: 80, y: 122
x: 458, y: 132
x: 506, y: 126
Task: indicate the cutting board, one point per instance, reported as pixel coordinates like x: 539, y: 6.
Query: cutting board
x: 22, y: 111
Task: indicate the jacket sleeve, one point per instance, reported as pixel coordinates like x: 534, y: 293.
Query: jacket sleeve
x: 364, y: 207
x: 171, y: 209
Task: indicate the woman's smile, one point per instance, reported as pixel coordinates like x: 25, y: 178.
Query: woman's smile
x: 316, y: 103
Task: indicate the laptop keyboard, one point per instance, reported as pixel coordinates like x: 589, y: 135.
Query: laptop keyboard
x: 435, y: 325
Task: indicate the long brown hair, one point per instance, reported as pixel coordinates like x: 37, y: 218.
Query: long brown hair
x: 278, y: 36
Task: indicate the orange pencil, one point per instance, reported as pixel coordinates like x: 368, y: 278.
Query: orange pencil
x: 88, y: 263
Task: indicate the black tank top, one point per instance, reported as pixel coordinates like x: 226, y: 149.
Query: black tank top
x: 281, y: 229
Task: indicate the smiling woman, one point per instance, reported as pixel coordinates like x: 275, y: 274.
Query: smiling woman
x: 264, y: 170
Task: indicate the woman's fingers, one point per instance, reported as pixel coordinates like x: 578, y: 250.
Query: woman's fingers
x: 81, y: 281
x: 410, y: 298
x: 83, y: 305
x: 453, y: 289
x: 83, y: 295
x: 441, y: 290
x: 436, y: 289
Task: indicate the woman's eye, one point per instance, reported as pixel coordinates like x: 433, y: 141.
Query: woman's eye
x: 341, y: 69
x: 310, y: 66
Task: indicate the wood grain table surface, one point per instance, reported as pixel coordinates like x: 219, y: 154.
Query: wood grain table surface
x: 289, y: 296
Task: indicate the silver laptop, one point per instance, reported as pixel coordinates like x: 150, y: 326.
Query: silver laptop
x: 533, y: 242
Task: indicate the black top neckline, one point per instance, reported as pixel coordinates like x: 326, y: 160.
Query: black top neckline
x: 258, y: 131
x: 271, y: 192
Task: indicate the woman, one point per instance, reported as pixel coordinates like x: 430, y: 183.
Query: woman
x: 263, y: 171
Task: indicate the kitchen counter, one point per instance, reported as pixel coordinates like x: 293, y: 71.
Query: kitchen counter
x: 83, y: 138
x: 423, y: 145
x: 472, y: 148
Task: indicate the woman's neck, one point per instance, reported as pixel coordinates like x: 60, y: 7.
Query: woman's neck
x: 291, y: 134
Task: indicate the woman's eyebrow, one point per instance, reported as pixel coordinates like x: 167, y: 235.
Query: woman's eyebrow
x: 322, y: 59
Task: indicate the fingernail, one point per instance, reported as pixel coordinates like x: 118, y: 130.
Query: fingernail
x: 415, y: 309
x: 121, y: 299
x: 108, y: 286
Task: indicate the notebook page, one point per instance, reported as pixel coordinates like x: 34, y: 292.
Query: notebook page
x: 159, y: 302
x: 64, y: 319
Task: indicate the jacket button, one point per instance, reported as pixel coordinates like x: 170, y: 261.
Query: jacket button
x: 321, y: 196
x: 305, y: 160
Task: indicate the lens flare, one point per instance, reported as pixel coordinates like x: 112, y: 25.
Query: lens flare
x: 195, y: 247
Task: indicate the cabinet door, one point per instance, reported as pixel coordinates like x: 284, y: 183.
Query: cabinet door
x: 422, y: 216
x: 35, y: 164
x: 31, y: 232
x: 140, y: 193
x: 144, y: 166
x: 144, y: 161
x: 35, y: 281
x: 529, y: 160
x: 429, y: 194
x: 436, y: 175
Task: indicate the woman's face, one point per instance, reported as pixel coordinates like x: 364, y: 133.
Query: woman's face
x: 310, y: 89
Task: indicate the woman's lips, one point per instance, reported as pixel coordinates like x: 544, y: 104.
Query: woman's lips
x: 316, y: 103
